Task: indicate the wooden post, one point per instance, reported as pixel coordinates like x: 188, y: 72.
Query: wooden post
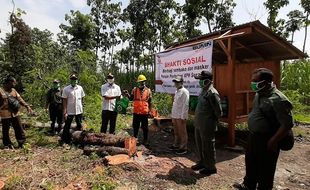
x: 232, y: 93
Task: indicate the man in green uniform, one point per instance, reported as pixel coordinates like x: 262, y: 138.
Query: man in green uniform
x: 54, y: 106
x: 269, y: 121
x: 207, y: 112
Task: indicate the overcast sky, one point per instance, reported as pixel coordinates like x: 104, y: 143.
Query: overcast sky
x: 49, y: 14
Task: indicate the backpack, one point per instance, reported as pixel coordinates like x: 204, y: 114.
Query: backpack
x: 13, y: 103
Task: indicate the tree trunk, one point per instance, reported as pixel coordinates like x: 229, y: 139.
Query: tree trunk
x: 306, y: 31
x: 102, y: 139
x: 105, y: 150
x: 106, y: 140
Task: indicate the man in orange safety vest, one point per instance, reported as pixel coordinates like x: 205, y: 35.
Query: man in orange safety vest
x: 141, y: 97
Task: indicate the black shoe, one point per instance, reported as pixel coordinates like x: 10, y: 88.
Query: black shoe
x: 20, y: 145
x: 207, y: 171
x: 240, y: 186
x: 172, y: 147
x: 197, y: 167
x: 181, y: 151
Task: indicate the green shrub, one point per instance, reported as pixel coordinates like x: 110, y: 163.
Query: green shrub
x: 162, y: 102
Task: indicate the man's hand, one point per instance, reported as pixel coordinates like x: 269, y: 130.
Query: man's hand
x: 272, y: 145
x: 126, y: 93
x: 29, y: 110
x: 65, y: 116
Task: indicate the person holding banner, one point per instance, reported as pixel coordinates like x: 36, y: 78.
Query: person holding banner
x: 207, y: 113
x: 179, y: 116
x: 110, y: 92
x: 141, y: 97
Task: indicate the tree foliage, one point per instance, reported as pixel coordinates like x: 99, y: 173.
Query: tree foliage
x: 273, y: 7
x: 294, y: 23
x: 123, y: 40
x: 80, y: 32
x: 305, y: 4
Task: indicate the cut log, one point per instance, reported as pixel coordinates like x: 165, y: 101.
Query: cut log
x: 118, y: 159
x: 105, y: 150
x: 131, y: 146
x: 102, y: 139
x: 106, y: 140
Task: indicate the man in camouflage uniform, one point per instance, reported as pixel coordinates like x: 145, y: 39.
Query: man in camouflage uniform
x: 269, y: 121
x: 207, y: 112
x: 54, y: 106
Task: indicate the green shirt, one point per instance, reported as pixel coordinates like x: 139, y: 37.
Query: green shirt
x: 208, y: 107
x: 270, y: 111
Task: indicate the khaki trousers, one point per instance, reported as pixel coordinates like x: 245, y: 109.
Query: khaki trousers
x: 180, y: 133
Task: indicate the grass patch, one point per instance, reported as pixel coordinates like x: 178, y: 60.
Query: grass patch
x: 300, y: 132
x: 100, y: 181
x: 302, y: 118
x: 40, y: 137
x: 15, y: 182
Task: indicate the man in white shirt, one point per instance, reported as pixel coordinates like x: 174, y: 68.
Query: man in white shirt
x: 73, y: 95
x: 110, y: 92
x: 179, y: 116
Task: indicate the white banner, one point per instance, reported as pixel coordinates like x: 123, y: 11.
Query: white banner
x: 187, y: 62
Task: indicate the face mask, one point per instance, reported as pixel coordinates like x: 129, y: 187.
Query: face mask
x: 73, y: 83
x: 178, y: 85
x: 110, y: 81
x: 141, y: 85
x: 203, y: 83
x: 55, y: 85
x: 254, y: 86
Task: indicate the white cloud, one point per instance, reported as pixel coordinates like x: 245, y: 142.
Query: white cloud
x: 78, y: 4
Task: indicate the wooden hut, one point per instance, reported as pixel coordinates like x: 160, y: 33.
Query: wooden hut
x: 237, y: 51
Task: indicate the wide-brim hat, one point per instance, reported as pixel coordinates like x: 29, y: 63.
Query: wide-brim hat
x: 178, y: 79
x: 204, y: 75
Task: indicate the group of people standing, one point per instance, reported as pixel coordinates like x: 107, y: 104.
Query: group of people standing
x: 207, y: 113
x: 67, y: 104
x: 269, y: 121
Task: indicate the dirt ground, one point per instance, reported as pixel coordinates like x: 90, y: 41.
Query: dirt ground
x: 49, y: 166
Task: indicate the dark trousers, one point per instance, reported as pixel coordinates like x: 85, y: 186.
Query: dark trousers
x: 260, y: 163
x: 106, y: 117
x: 66, y: 135
x: 56, y: 114
x: 205, y: 142
x: 140, y: 120
x: 18, y: 129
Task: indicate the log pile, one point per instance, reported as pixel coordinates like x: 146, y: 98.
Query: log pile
x: 104, y: 144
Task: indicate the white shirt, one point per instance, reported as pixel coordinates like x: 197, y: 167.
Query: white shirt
x: 110, y: 90
x: 180, y: 104
x: 74, y: 97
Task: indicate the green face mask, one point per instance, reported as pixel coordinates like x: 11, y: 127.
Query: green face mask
x: 73, y: 82
x: 254, y: 86
x: 55, y: 85
x: 201, y: 83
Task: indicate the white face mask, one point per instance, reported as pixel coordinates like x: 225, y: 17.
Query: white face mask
x: 110, y: 81
x: 178, y: 85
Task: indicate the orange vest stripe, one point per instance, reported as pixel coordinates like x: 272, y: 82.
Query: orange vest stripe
x: 140, y: 101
